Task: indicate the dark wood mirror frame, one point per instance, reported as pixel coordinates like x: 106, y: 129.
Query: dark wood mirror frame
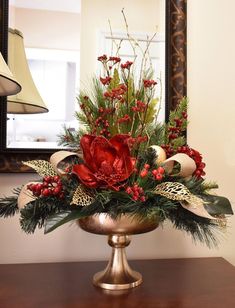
x: 10, y: 159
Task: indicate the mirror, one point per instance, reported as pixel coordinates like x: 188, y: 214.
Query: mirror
x: 68, y: 51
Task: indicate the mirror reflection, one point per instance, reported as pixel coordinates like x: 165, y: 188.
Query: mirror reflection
x: 62, y: 40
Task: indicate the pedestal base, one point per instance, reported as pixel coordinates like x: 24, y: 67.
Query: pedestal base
x: 101, y: 280
x: 118, y: 275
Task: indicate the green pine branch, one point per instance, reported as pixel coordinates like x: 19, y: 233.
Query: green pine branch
x: 9, y: 205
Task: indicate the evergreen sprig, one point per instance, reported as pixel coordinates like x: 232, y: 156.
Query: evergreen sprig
x: 35, y: 213
x: 9, y: 205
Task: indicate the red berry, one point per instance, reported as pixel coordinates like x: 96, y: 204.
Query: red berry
x: 57, y: 190
x: 45, y: 192
x: 135, y: 197
x: 154, y: 172
x: 161, y: 170
x: 45, y: 184
x: 158, y: 177
x: 56, y: 178
x: 143, y: 173
x: 39, y: 187
x: 141, y: 191
x: 129, y: 190
x: 142, y: 198
x: 34, y: 187
x: 198, y: 173
x: 146, y: 166
x: 135, y: 187
x: 47, y: 179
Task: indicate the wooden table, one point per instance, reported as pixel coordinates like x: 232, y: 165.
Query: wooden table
x: 173, y: 283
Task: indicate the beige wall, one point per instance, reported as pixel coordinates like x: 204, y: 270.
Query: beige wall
x: 211, y: 89
x: 211, y: 114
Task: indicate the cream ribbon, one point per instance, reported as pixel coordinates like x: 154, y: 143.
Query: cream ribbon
x: 187, y: 164
x: 25, y: 196
x: 58, y: 157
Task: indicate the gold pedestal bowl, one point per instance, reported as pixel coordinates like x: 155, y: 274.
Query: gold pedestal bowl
x: 118, y: 275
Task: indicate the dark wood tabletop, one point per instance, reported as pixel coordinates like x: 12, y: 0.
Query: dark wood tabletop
x: 168, y: 283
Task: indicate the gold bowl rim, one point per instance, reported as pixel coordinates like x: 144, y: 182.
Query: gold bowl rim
x: 127, y: 224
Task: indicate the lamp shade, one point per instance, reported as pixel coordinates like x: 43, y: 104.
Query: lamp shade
x: 29, y: 99
x: 8, y: 84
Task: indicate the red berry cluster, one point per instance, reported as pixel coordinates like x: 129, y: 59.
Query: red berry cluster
x: 197, y: 157
x: 176, y: 128
x: 137, y: 140
x: 116, y: 93
x: 139, y: 107
x: 148, y: 83
x: 51, y: 186
x: 136, y: 192
x: 105, y: 81
x: 115, y: 59
x: 126, y: 65
x: 144, y: 172
x: 102, y: 58
x: 124, y: 119
x: 158, y: 173
x: 102, y: 123
x: 168, y: 149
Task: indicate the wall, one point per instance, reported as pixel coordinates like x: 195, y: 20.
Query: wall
x: 211, y: 80
x: 211, y: 114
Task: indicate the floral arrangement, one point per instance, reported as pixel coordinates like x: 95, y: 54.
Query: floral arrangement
x: 123, y: 162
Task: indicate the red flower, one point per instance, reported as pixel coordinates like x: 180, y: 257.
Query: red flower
x: 148, y: 83
x: 107, y: 162
x: 115, y: 59
x: 102, y: 58
x: 105, y: 80
x: 126, y: 65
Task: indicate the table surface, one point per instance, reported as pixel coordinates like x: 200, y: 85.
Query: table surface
x: 168, y: 283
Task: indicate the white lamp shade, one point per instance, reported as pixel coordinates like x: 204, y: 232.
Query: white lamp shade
x: 8, y: 84
x: 29, y: 99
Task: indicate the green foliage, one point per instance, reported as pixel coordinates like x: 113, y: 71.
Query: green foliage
x: 177, y: 112
x: 8, y: 205
x: 115, y: 80
x: 201, y: 229
x: 69, y: 138
x: 178, y: 142
x: 35, y: 213
x: 151, y: 112
x: 217, y: 205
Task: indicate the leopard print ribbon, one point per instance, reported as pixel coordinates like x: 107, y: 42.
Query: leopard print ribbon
x: 177, y: 191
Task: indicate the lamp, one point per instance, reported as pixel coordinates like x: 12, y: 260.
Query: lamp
x: 29, y: 99
x: 8, y: 84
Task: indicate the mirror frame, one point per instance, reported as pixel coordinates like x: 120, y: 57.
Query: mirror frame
x: 176, y: 76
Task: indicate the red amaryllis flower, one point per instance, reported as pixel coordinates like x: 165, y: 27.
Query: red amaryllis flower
x: 107, y: 162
